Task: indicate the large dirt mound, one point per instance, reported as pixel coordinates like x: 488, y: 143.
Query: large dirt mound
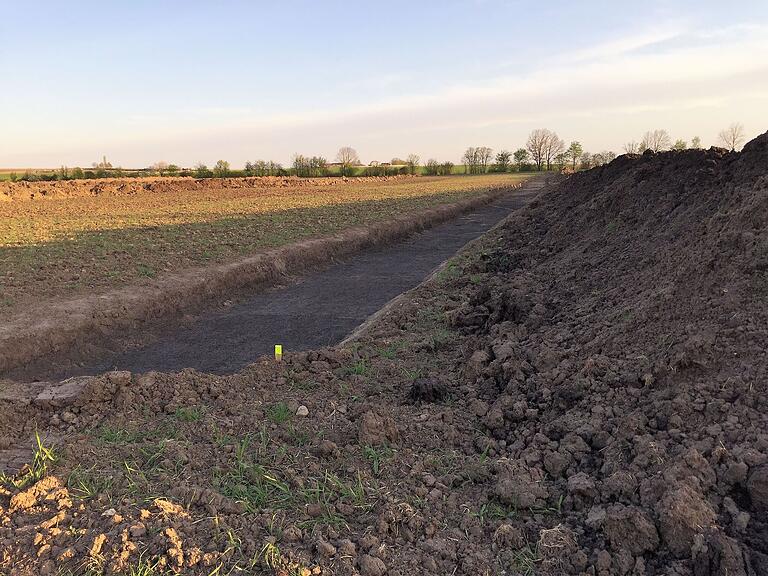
x: 582, y: 392
x: 623, y: 337
x: 128, y: 186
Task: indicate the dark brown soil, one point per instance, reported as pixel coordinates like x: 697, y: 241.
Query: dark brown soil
x: 581, y: 392
x: 18, y: 191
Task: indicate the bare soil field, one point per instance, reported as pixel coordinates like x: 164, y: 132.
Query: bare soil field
x: 582, y: 391
x: 62, y: 239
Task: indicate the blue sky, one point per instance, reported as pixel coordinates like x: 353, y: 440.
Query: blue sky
x: 196, y: 81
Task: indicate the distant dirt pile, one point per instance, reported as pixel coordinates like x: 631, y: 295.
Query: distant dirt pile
x: 128, y: 186
x: 581, y: 392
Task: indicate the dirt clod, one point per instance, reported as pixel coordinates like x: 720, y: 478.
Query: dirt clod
x: 376, y: 429
x: 372, y: 566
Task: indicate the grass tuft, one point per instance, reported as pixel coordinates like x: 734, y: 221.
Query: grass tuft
x: 37, y: 470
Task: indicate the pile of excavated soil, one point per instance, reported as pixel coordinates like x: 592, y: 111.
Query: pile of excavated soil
x: 583, y: 391
x: 127, y: 186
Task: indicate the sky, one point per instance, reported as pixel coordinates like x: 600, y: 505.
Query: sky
x: 192, y: 81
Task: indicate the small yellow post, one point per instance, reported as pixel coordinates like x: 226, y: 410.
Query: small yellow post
x: 278, y: 352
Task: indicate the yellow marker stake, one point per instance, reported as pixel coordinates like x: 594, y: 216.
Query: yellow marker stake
x: 278, y: 352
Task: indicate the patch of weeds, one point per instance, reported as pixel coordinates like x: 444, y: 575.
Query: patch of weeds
x: 189, y: 413
x: 94, y: 566
x: 299, y: 437
x: 442, y: 462
x: 524, y: 561
x: 611, y: 227
x: 429, y: 316
x: 141, y: 474
x: 276, y: 526
x: 327, y: 519
x: 450, y: 272
x: 87, y: 483
x: 556, y: 509
x: 484, y: 453
x: 279, y: 413
x: 493, y: 511
x: 234, y: 543
x: 145, y: 568
x: 412, y: 373
x: 43, y: 456
x: 301, y: 384
x: 345, y: 390
x: 329, y: 488
x: 145, y: 271
x: 376, y: 455
x: 110, y: 435
x: 360, y: 367
x: 439, y: 338
x: 252, y: 484
x: 221, y: 438
x: 271, y: 557
x: 390, y: 352
x: 166, y: 430
x: 353, y: 492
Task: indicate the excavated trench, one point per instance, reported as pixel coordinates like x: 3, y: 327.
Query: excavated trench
x: 316, y: 310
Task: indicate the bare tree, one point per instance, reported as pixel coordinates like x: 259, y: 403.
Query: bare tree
x: 604, y: 157
x: 103, y: 165
x: 470, y: 160
x: 476, y: 160
x: 159, y: 167
x: 656, y: 141
x: 732, y: 137
x: 347, y: 157
x: 632, y: 147
x: 484, y: 155
x: 554, y: 146
x: 536, y: 145
x: 413, y: 163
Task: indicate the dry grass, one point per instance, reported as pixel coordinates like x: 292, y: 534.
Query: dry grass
x: 70, y: 246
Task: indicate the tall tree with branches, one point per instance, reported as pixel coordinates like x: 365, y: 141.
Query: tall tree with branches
x: 656, y: 141
x: 732, y: 137
x: 347, y: 157
x: 537, y: 145
x: 413, y: 163
x: 575, y: 150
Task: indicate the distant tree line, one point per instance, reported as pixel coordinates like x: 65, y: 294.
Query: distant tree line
x: 264, y: 168
x: 544, y: 150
